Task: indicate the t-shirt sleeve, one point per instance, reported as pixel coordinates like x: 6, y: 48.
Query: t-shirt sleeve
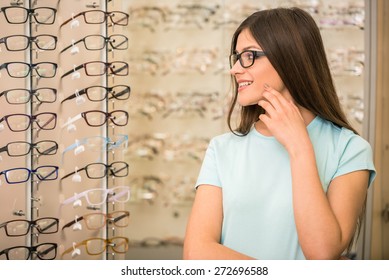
x: 356, y: 154
x: 208, y: 172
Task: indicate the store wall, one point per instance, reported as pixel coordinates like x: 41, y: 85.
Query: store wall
x: 177, y: 58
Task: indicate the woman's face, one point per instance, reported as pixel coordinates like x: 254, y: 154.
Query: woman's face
x: 251, y: 80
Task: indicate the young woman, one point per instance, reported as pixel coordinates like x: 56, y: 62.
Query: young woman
x: 290, y: 181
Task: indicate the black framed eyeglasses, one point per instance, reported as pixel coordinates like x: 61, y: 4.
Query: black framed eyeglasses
x: 100, y: 170
x: 98, y: 118
x: 22, y: 69
x: 94, y: 221
x: 22, y: 148
x: 44, y: 251
x: 99, y: 93
x: 20, y: 227
x: 99, y: 68
x: 23, y: 96
x: 22, y: 122
x: 98, y: 42
x: 246, y: 58
x: 19, y: 15
x: 99, y: 16
x: 21, y: 174
x: 15, y: 43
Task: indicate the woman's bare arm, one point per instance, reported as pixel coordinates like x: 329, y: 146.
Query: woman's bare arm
x: 202, y: 239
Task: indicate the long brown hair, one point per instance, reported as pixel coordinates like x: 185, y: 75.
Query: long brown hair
x: 293, y: 44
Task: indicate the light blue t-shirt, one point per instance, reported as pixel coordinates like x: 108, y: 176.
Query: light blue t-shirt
x: 254, y: 174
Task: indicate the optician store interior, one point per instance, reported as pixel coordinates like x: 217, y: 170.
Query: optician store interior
x: 107, y: 108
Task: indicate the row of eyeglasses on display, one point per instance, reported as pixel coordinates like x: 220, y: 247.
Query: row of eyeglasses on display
x: 15, y: 14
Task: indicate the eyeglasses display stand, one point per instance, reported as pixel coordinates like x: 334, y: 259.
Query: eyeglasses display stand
x: 107, y: 108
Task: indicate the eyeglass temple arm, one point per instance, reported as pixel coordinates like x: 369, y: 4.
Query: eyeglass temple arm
x: 73, y: 198
x: 73, y: 222
x: 72, y: 71
x: 127, y: 214
x: 73, y: 44
x: 81, y: 92
x: 118, y: 195
x: 70, y: 19
x: 72, y: 173
x: 72, y: 120
x: 4, y: 149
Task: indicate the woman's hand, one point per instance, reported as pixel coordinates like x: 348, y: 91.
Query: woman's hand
x: 283, y: 119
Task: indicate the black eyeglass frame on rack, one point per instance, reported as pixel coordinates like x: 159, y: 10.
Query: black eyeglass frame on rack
x: 88, y: 66
x: 122, y: 21
x: 122, y: 94
x: 30, y: 67
x: 111, y: 40
x: 28, y: 13
x: 51, y: 149
x: 29, y: 40
x: 52, y: 117
x: 38, y: 93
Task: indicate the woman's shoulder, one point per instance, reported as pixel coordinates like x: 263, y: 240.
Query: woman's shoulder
x: 344, y: 137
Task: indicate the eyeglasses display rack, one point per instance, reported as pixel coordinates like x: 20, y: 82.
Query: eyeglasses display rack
x: 107, y: 108
x: 61, y: 92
